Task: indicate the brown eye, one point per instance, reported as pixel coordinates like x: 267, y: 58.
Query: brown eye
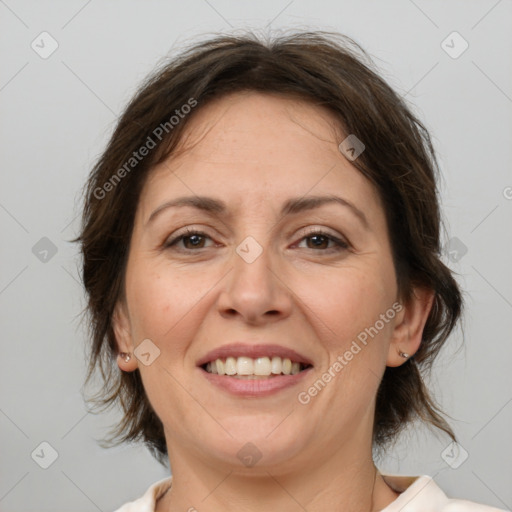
x: 191, y: 240
x: 318, y: 241
x: 321, y: 240
x: 195, y: 241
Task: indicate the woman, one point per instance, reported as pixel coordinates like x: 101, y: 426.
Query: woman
x: 261, y: 254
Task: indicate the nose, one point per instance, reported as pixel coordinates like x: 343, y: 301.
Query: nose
x: 255, y: 291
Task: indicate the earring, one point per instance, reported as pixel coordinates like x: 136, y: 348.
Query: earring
x: 402, y: 354
x: 125, y: 356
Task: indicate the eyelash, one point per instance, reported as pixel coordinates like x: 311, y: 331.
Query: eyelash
x: 340, y: 244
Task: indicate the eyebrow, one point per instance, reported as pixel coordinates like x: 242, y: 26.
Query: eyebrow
x: 290, y: 207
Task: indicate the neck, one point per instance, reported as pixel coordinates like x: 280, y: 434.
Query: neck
x: 344, y: 481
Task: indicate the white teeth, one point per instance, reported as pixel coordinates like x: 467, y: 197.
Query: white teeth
x: 276, y: 365
x: 261, y: 366
x: 230, y: 366
x: 244, y: 366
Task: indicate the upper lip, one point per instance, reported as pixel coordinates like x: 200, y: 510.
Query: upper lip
x: 254, y: 351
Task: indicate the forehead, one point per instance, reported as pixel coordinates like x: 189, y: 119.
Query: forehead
x: 258, y: 146
x: 247, y: 122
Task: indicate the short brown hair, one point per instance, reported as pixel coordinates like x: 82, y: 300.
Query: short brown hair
x: 325, y: 69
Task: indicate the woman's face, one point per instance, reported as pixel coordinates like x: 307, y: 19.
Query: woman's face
x: 261, y: 282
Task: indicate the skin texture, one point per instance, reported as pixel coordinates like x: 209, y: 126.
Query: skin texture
x: 254, y: 152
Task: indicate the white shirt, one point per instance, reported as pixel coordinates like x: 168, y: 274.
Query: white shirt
x: 417, y: 494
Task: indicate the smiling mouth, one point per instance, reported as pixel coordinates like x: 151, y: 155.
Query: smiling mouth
x: 254, y: 368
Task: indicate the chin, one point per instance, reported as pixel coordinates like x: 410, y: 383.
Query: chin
x: 263, y: 443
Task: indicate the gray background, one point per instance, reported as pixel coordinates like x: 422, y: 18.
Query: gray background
x: 56, y: 114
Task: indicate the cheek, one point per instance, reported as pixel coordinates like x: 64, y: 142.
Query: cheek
x: 346, y: 315
x: 165, y: 307
x: 168, y: 305
x: 156, y: 301
x: 348, y: 303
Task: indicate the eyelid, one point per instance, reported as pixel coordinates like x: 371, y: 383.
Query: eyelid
x: 311, y: 230
x: 315, y: 229
x: 340, y: 240
x: 187, y: 231
x: 191, y: 229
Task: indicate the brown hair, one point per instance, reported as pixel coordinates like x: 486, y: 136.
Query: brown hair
x: 324, y: 69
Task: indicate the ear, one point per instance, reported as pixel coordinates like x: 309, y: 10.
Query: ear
x: 122, y: 331
x: 409, y: 324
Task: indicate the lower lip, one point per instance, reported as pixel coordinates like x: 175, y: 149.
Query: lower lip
x: 255, y: 387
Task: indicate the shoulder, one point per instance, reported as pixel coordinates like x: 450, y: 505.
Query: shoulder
x: 419, y: 493
x: 146, y: 503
